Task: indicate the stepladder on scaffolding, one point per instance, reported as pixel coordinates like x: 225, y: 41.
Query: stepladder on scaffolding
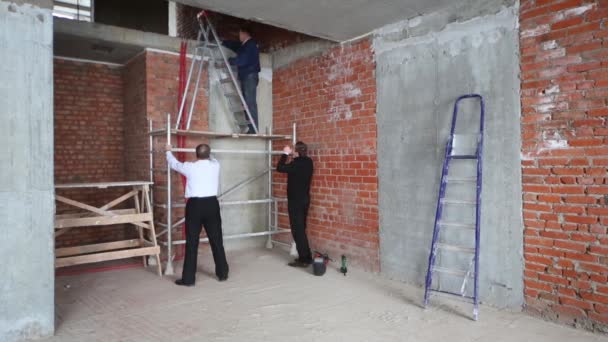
x: 171, y: 203
x: 454, y: 257
x: 209, y: 50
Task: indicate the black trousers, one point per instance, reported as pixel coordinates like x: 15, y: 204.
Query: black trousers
x: 203, y: 212
x: 298, y: 212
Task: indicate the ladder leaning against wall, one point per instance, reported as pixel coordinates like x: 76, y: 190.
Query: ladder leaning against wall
x: 458, y: 215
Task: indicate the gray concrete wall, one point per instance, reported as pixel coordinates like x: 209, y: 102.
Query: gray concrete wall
x: 236, y: 168
x: 26, y: 180
x: 423, y: 65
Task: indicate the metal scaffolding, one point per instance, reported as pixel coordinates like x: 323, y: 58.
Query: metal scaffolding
x: 165, y: 236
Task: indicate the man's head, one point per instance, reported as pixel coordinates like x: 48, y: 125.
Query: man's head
x: 244, y: 33
x: 203, y: 151
x: 301, y: 149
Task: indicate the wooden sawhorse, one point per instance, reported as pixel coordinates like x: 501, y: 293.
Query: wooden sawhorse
x: 140, y: 216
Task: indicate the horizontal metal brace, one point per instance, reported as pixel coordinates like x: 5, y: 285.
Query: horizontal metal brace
x: 235, y: 236
x: 220, y: 151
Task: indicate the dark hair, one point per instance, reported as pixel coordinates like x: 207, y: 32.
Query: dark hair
x: 302, y: 149
x: 246, y: 29
x: 203, y: 151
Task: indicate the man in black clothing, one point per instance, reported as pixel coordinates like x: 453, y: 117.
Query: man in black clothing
x: 248, y: 62
x: 299, y: 174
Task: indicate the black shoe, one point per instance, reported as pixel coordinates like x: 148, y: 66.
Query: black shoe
x: 181, y: 283
x: 224, y: 278
x: 298, y: 263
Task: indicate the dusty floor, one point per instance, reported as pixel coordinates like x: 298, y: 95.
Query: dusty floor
x: 264, y: 300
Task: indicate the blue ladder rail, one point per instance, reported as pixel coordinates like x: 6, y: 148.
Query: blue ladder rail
x: 478, y: 156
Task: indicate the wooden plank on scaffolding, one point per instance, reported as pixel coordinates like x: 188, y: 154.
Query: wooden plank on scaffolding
x: 98, y: 247
x: 98, y: 257
x: 103, y: 220
x: 101, y: 185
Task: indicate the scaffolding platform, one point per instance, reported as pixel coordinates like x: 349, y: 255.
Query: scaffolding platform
x: 216, y: 135
x: 169, y: 203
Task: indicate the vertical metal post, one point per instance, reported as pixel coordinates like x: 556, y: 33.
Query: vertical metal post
x: 276, y: 214
x: 478, y: 208
x: 198, y: 79
x: 185, y: 96
x: 151, y: 146
x: 269, y: 145
x: 169, y: 268
x: 293, y: 135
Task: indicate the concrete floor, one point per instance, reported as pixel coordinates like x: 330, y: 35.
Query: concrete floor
x: 264, y: 300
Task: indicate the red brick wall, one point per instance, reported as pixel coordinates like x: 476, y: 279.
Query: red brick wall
x: 101, y: 130
x: 564, y: 53
x: 135, y: 121
x: 88, y: 138
x: 269, y: 38
x: 332, y: 98
x: 151, y: 86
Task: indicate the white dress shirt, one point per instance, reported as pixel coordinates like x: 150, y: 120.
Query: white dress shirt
x: 203, y: 176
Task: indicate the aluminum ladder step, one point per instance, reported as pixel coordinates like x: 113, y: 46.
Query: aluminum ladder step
x: 468, y: 299
x: 464, y: 156
x: 461, y: 179
x: 452, y: 272
x: 455, y: 248
x: 455, y: 201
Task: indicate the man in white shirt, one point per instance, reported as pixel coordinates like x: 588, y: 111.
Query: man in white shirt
x: 202, y: 209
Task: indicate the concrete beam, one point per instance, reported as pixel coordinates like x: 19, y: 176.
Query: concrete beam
x: 85, y: 40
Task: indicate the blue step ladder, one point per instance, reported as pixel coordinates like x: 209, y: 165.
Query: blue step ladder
x: 458, y: 148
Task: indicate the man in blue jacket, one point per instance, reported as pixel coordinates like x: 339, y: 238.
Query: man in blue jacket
x: 248, y: 62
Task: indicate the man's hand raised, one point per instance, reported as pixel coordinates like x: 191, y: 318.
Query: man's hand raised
x: 287, y: 150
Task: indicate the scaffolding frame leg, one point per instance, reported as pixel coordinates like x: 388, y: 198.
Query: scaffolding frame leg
x: 169, y: 267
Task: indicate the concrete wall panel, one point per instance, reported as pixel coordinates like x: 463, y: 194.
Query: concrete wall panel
x: 26, y: 181
x: 419, y: 78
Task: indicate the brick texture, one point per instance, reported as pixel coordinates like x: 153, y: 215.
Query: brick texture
x: 151, y: 87
x: 102, y: 118
x: 269, y: 37
x: 564, y: 65
x: 88, y: 139
x: 332, y: 99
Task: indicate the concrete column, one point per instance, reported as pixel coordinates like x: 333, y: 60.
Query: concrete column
x: 26, y: 179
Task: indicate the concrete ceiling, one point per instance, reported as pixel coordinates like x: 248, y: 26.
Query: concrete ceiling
x: 337, y: 20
